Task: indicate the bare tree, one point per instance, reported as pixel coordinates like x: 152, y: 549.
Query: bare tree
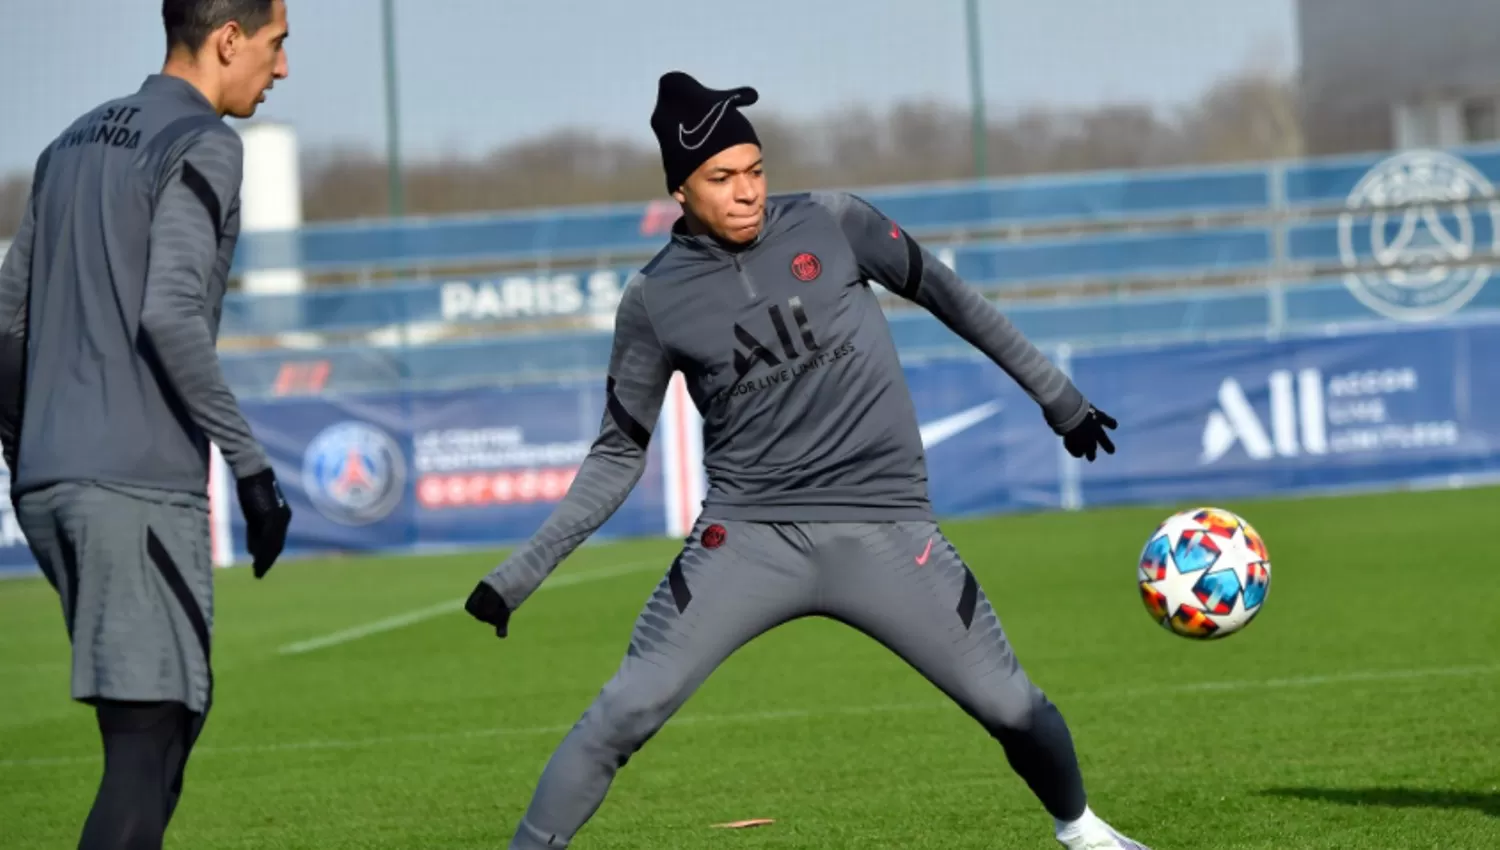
x: 1252, y: 116
x: 343, y: 183
x: 13, y: 191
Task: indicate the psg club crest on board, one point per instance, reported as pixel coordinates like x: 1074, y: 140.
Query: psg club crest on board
x: 354, y: 473
x: 806, y: 266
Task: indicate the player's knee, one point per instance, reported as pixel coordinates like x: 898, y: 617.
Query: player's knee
x: 1012, y: 706
x: 629, y: 716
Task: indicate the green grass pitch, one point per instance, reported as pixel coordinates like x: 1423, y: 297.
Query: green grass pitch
x: 1360, y: 710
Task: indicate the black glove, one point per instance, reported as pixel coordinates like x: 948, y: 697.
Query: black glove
x: 267, y: 517
x: 1088, y: 436
x: 486, y: 606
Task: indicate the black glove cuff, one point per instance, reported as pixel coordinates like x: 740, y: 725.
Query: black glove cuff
x: 259, y: 492
x: 485, y: 604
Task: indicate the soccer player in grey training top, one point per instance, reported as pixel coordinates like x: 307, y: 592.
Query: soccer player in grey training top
x: 817, y: 502
x: 110, y: 391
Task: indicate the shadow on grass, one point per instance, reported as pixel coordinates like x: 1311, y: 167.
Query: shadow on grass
x: 1401, y: 798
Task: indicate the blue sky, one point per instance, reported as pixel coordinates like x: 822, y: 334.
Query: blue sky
x: 489, y: 71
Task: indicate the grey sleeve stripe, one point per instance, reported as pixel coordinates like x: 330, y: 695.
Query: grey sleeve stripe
x: 639, y: 372
x: 983, y: 325
x: 907, y: 269
x: 184, y: 252
x: 604, y: 481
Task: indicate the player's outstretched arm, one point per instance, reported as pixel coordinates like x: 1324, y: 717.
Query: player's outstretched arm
x: 639, y: 372
x: 891, y: 257
x: 15, y: 288
x: 192, y: 208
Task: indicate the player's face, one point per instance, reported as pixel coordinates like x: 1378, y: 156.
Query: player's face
x: 256, y: 62
x: 727, y: 194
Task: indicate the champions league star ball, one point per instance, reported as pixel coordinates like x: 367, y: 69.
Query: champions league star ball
x: 1204, y: 573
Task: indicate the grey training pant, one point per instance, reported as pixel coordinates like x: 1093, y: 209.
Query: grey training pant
x: 901, y: 583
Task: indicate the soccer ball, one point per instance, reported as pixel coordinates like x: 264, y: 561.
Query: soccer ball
x: 1204, y: 573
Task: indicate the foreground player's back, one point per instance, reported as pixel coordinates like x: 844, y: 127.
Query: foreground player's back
x: 97, y: 406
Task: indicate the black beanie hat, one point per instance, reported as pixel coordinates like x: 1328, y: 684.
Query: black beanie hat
x: 694, y: 123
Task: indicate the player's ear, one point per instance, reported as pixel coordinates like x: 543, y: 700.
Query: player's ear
x: 227, y: 41
x: 680, y: 196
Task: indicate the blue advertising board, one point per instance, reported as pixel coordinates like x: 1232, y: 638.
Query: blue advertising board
x: 437, y: 469
x: 988, y: 448
x: 1257, y: 418
x: 1199, y: 422
x: 15, y: 555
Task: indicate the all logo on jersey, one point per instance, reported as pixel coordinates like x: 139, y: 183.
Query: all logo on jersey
x: 749, y: 350
x: 782, y: 355
x: 806, y: 266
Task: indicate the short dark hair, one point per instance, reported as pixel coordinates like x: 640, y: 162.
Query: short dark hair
x: 190, y: 22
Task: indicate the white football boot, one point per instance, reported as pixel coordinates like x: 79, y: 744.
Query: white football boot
x: 1091, y: 833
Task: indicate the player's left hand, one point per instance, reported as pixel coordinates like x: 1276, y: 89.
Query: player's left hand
x: 267, y: 518
x: 486, y: 606
x: 1089, y: 436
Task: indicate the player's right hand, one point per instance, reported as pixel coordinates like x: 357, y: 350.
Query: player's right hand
x: 486, y: 606
x: 267, y: 517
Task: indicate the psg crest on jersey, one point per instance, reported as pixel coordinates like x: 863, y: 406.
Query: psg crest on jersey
x: 354, y: 473
x: 806, y: 266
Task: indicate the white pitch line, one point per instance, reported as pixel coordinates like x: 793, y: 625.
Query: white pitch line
x: 400, y: 621
x: 798, y: 714
x: 1338, y: 678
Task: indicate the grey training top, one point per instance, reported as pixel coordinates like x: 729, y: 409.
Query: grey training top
x: 788, y: 356
x: 110, y: 300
